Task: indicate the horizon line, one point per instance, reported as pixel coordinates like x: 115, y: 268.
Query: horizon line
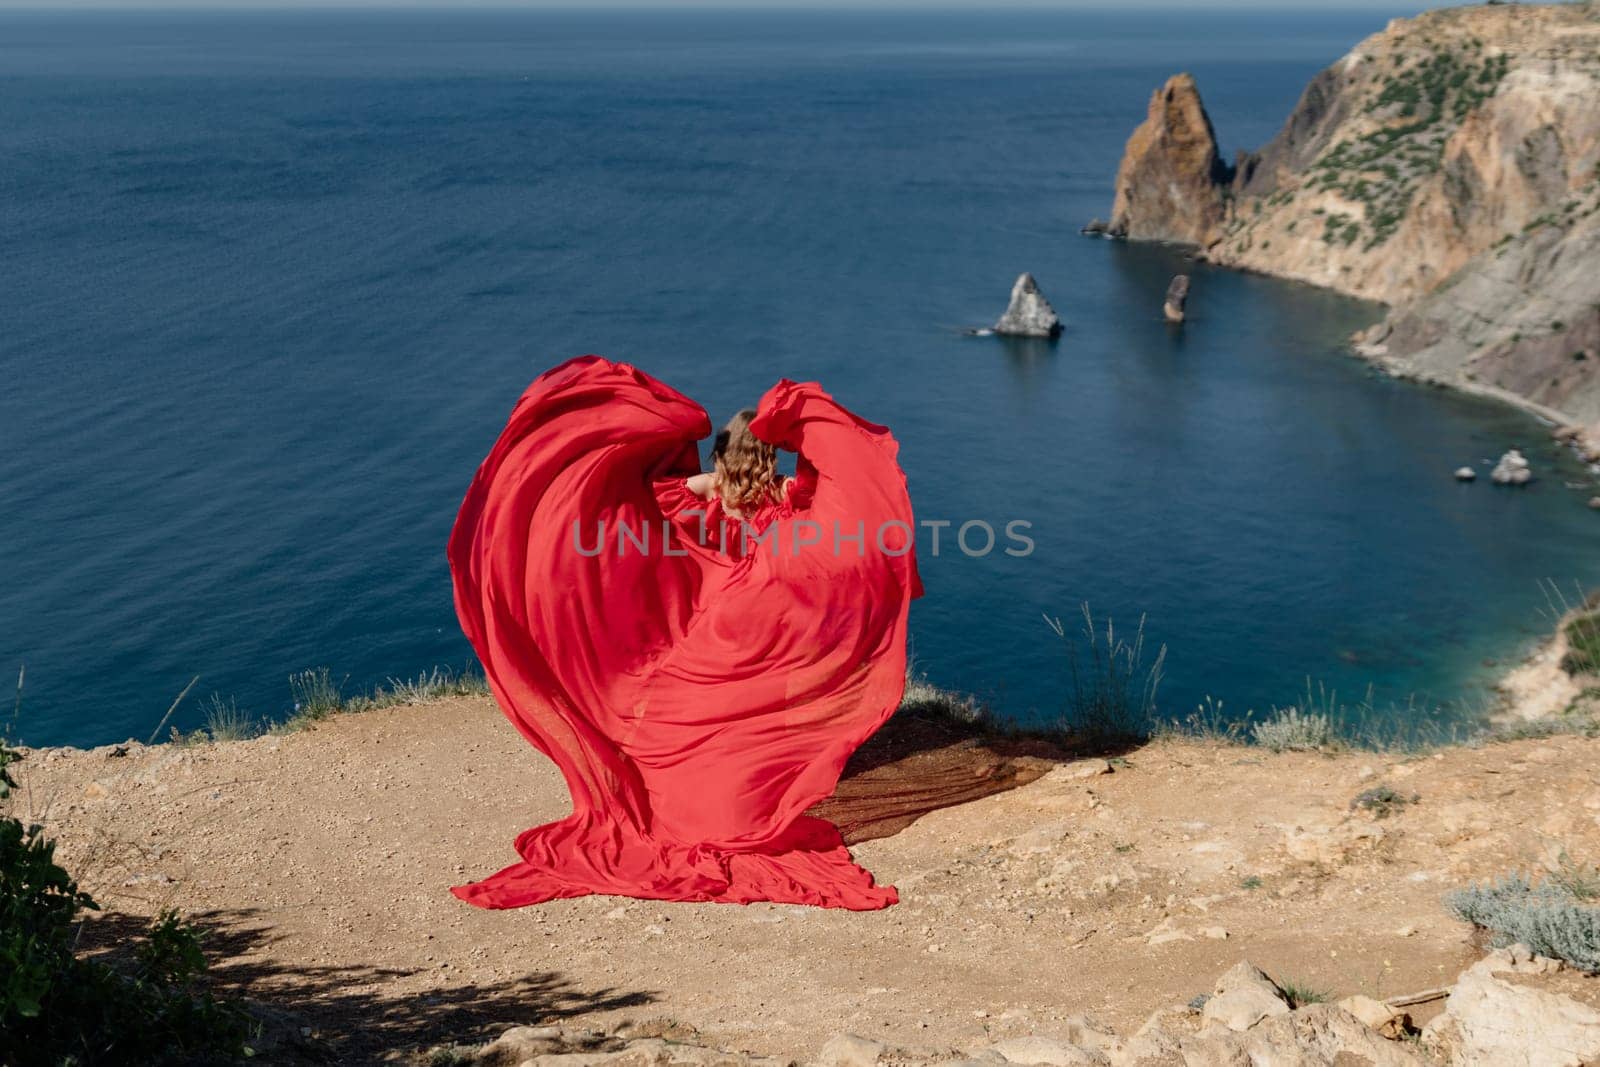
x: 225, y: 7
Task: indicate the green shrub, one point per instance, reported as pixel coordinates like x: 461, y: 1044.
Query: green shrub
x: 1382, y: 801
x: 430, y: 685
x: 1580, y: 881
x: 316, y: 694
x: 1583, y: 645
x: 1113, y: 696
x: 142, y: 1003
x: 1292, y: 730
x: 1546, y: 916
x: 57, y: 1008
x: 1299, y: 994
x: 226, y: 722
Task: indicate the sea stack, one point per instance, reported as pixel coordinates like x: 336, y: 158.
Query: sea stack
x: 1177, y: 297
x: 1511, y: 470
x: 1029, y: 314
x: 1171, y: 181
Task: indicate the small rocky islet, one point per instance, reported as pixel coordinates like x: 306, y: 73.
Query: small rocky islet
x: 1028, y: 314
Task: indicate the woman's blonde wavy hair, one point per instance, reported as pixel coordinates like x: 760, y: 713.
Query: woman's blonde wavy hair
x: 746, y: 466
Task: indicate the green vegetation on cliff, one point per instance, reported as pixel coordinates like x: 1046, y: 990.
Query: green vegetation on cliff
x: 1421, y: 104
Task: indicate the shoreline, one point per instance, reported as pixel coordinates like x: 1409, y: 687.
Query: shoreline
x: 1581, y: 438
x: 1538, y: 688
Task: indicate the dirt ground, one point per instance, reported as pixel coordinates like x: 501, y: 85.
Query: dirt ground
x: 320, y: 861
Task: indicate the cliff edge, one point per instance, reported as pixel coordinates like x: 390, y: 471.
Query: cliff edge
x: 318, y: 861
x: 1448, y: 166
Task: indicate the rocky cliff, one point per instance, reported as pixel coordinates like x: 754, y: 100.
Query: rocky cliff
x: 1449, y: 166
x: 1171, y: 184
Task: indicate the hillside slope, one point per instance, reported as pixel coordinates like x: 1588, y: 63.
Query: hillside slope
x: 1448, y: 166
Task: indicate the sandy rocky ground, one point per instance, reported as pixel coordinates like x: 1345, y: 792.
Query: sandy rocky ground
x: 1107, y: 889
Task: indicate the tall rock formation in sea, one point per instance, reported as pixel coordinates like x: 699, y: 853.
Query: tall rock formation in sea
x: 1171, y: 181
x: 1448, y: 166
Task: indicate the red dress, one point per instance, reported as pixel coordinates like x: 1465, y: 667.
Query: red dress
x: 700, y: 691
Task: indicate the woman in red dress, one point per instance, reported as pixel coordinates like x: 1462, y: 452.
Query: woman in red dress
x: 699, y: 653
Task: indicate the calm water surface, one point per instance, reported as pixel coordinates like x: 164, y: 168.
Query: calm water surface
x: 271, y: 283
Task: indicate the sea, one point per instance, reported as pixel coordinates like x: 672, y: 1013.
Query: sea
x: 272, y: 281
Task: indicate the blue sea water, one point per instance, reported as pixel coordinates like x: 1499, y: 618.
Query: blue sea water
x: 271, y: 283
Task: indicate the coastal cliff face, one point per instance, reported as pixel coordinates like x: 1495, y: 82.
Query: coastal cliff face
x: 1449, y: 166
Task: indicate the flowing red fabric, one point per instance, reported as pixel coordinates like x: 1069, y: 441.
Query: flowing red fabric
x: 700, y: 691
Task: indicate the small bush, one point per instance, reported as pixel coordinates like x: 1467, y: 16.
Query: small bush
x: 924, y: 698
x: 1208, y: 722
x: 1580, y: 881
x: 1382, y: 801
x: 430, y: 685
x: 145, y: 1002
x: 1583, y: 645
x: 1300, y: 994
x: 1113, y: 695
x: 1291, y: 730
x: 1548, y: 916
x: 56, y: 1008
x: 226, y: 722
x: 316, y: 694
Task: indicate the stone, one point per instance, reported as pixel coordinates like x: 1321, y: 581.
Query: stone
x: 522, y: 1043
x: 1491, y: 1022
x: 1029, y: 314
x: 1214, y: 933
x: 1171, y: 180
x: 1096, y: 228
x: 1038, y: 841
x: 1390, y: 1022
x: 850, y: 1050
x: 1058, y: 879
x: 1044, y: 1050
x: 1242, y: 997
x: 1466, y: 474
x: 1594, y: 502
x: 1511, y: 470
x: 1317, y: 1035
x: 1177, y: 298
x: 1078, y: 769
x: 1330, y: 846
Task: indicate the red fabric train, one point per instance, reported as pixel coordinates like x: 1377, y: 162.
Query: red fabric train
x: 698, y: 692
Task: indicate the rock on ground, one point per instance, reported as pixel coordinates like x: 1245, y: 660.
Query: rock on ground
x: 1496, y: 1017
